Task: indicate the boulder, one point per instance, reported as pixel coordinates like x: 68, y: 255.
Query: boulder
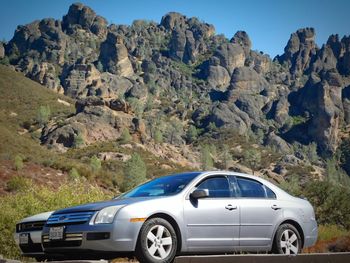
x: 80, y: 16
x: 241, y: 38
x: 113, y: 156
x: 218, y: 77
x: 173, y: 20
x: 251, y: 105
x: 183, y: 46
x: 336, y: 46
x: 259, y: 62
x: 78, y: 78
x: 120, y: 105
x: 325, y: 60
x: 230, y: 116
x: 177, y: 44
x: 111, y: 87
x: 94, y: 124
x: 82, y: 103
x: 45, y: 74
x: 277, y: 143
x: 323, y: 101
x: 114, y: 56
x: 245, y: 80
x: 231, y: 56
x: 299, y: 51
x: 44, y: 39
x: 138, y: 91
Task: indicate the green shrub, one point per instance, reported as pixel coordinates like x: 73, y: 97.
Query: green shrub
x: 95, y: 164
x: 207, y: 162
x: 36, y: 199
x: 17, y: 183
x: 78, y: 141
x: 328, y: 232
x: 18, y: 162
x: 74, y: 175
x: 225, y: 156
x: 345, y: 155
x: 330, y: 201
x: 134, y: 172
x: 158, y: 136
x: 43, y: 114
x: 125, y: 137
x: 192, y: 134
x: 252, y: 157
x: 292, y: 185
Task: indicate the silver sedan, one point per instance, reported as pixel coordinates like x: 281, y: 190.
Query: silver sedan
x: 188, y: 213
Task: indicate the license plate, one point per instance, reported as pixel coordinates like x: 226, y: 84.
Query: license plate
x: 24, y: 238
x: 56, y: 233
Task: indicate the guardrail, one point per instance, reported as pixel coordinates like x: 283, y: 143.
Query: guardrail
x: 266, y: 258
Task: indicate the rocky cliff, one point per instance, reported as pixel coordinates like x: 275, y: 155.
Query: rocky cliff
x: 179, y: 74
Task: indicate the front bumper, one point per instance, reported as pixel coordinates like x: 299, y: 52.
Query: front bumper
x: 119, y: 237
x: 34, y: 247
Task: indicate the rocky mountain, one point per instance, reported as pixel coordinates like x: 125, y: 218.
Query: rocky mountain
x: 178, y: 77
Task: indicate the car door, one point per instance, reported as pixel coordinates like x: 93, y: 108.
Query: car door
x: 260, y: 212
x: 212, y: 223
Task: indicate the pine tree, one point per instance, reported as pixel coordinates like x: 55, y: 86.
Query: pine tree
x: 125, y: 137
x: 95, y: 164
x: 43, y: 114
x: 78, y: 140
x: 207, y: 162
x: 158, y: 136
x: 134, y: 172
x: 253, y: 158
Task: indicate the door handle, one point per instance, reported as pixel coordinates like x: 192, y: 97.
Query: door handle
x: 230, y: 207
x: 275, y: 207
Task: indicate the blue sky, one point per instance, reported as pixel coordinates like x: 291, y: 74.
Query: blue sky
x: 269, y: 23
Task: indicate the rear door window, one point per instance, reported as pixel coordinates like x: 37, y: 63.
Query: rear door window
x: 250, y: 188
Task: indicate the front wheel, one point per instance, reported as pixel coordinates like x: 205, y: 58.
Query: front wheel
x: 287, y: 240
x: 157, y: 242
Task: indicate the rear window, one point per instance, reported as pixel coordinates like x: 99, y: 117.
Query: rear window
x: 270, y: 193
x: 250, y: 188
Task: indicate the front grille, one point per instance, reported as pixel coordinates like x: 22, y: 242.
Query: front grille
x: 31, y: 248
x: 30, y: 226
x: 70, y: 240
x: 69, y: 218
x: 62, y: 243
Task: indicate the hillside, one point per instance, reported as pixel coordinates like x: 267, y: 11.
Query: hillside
x: 176, y: 93
x: 20, y: 132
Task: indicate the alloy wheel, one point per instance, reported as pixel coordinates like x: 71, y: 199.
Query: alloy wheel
x: 159, y: 242
x: 289, y: 242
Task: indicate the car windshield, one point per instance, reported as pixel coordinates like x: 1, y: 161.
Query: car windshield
x: 162, y: 186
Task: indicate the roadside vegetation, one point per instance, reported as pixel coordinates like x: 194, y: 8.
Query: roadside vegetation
x: 31, y: 199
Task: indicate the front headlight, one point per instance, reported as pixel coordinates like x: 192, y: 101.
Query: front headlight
x: 106, y: 215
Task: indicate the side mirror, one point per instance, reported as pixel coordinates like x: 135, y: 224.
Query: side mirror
x: 200, y: 193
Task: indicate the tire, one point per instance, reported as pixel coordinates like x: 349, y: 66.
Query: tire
x: 157, y: 242
x: 287, y: 240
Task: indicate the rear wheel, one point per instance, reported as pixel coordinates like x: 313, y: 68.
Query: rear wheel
x: 287, y: 240
x: 157, y: 242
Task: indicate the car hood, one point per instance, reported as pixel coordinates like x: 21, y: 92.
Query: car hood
x: 38, y: 217
x: 100, y: 205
